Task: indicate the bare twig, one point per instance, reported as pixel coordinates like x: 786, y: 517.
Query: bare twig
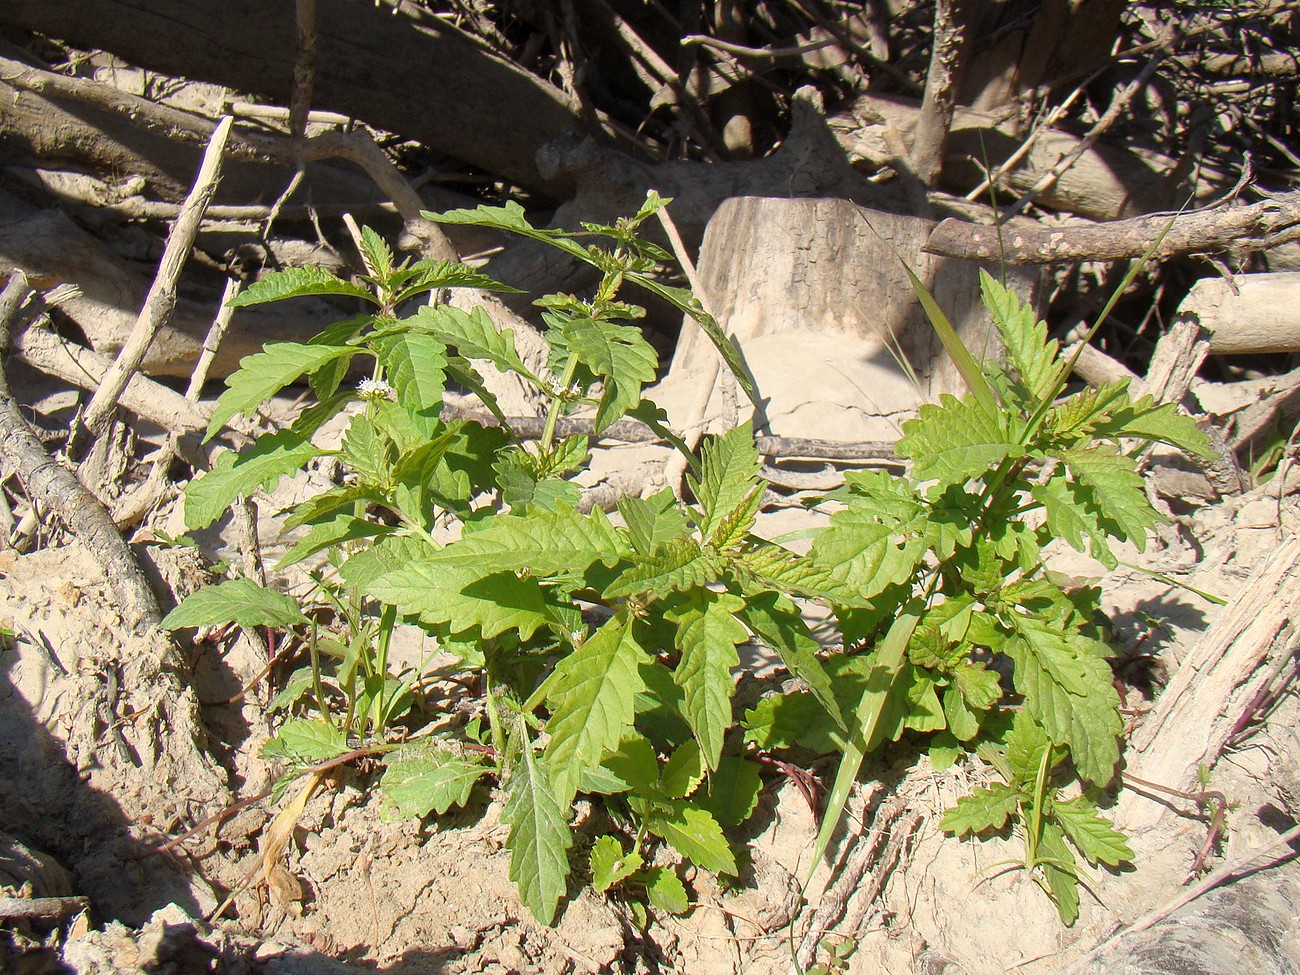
x: 1118, y: 106
x: 162, y: 294
x: 212, y: 341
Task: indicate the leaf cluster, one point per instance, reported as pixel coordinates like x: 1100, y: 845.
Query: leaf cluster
x: 606, y: 647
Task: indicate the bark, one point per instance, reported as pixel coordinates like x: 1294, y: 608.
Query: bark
x: 404, y: 71
x: 1231, y: 228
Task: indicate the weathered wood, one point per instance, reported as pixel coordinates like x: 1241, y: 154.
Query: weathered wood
x: 403, y: 70
x: 53, y: 250
x: 1107, y: 183
x: 1216, y: 683
x: 817, y: 288
x: 1247, y: 314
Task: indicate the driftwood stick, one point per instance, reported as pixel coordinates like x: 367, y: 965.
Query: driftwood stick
x: 41, y: 908
x: 1257, y: 226
x: 162, y: 294
x: 53, y: 487
x: 42, y: 349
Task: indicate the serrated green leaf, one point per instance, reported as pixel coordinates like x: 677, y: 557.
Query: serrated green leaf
x: 776, y: 621
x: 609, y: 864
x: 978, y: 685
x: 425, y: 779
x: 694, y: 833
x: 963, y: 723
x: 539, y: 541
x: 865, y: 556
x: 592, y: 696
x: 376, y: 254
x: 511, y: 217
x: 987, y: 808
x: 651, y: 521
x: 472, y: 334
x: 369, y: 452
x: 664, y: 890
x: 707, y: 636
x: 1024, y: 336
x: 730, y: 465
x: 683, y: 772
x: 1070, y: 516
x: 415, y: 363
x: 1070, y: 691
x: 265, y: 373
x: 1077, y: 416
x: 306, y: 740
x: 398, y: 570
x: 212, y: 494
x: 294, y: 282
x: 733, y: 790
x: 539, y: 838
x: 621, y: 355
x: 630, y: 766
x: 428, y: 276
x: 1144, y: 420
x: 1092, y: 835
x: 677, y: 566
x: 766, y: 566
x: 956, y: 440
x: 239, y: 601
x: 786, y: 720
x: 1116, y: 488
x: 329, y: 503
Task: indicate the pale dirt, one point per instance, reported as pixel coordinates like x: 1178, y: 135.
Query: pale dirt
x: 100, y: 765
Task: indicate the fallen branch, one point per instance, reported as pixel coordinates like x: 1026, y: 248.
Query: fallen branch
x: 1227, y: 227
x: 162, y: 294
x: 56, y: 489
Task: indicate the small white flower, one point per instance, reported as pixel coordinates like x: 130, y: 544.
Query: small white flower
x: 374, y: 389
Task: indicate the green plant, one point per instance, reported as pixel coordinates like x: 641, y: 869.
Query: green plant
x: 948, y: 576
x: 605, y: 652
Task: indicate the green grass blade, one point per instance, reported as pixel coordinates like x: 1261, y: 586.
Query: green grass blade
x: 867, y: 719
x: 952, y: 343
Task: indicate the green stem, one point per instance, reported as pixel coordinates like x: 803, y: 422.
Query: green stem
x: 557, y: 403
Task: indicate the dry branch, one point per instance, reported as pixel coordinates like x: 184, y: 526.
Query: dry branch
x: 1106, y: 183
x: 1251, y: 313
x: 1228, y: 227
x: 40, y: 348
x: 403, y: 70
x: 54, y: 488
x: 161, y: 299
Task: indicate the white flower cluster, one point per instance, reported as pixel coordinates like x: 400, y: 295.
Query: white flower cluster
x: 374, y: 389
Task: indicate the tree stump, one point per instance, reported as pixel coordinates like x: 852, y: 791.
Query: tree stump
x: 814, y: 294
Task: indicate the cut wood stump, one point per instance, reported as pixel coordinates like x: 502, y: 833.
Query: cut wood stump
x: 814, y: 294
